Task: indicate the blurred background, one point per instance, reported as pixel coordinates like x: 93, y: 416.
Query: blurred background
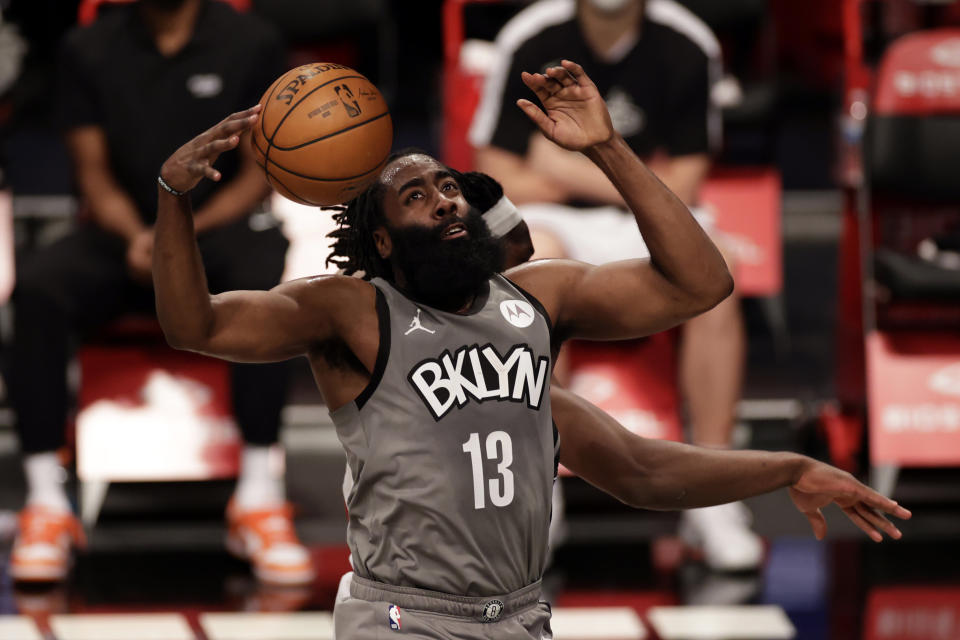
x: 834, y: 191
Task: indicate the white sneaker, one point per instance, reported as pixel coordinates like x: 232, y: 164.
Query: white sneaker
x: 266, y: 538
x: 724, y: 534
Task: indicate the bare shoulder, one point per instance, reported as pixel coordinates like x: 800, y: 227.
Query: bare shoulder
x: 547, y: 280
x: 329, y: 291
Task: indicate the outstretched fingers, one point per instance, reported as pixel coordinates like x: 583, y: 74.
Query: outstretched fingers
x: 818, y: 523
x: 209, y: 153
x: 210, y: 172
x: 235, y: 123
x: 218, y: 146
x: 536, y: 114
x: 867, y: 509
x: 863, y: 524
x: 536, y: 82
x: 561, y: 77
x: 231, y: 126
x: 246, y: 114
x: 877, y: 520
x: 576, y: 71
x: 882, y: 503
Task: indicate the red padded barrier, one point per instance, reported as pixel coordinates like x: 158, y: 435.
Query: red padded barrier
x: 920, y: 75
x: 913, y: 386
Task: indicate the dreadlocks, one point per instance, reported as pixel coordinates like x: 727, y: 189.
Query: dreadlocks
x: 354, y: 248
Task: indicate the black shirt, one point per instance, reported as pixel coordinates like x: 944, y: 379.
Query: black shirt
x: 657, y: 93
x: 112, y: 75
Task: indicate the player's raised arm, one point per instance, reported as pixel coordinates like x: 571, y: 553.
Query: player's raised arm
x: 251, y: 326
x: 685, y: 275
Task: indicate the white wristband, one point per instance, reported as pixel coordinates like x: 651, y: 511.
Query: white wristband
x: 502, y: 217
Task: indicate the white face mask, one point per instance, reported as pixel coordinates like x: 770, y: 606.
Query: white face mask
x: 609, y: 6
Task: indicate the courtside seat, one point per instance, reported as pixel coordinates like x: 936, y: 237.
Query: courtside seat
x: 147, y: 412
x: 911, y: 196
x: 910, y: 152
x: 909, y: 278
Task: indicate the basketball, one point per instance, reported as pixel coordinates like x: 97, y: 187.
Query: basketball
x: 324, y: 133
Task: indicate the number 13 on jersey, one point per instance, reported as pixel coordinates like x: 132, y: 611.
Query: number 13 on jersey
x: 498, y: 447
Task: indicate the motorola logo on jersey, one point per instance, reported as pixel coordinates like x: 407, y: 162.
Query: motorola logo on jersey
x: 519, y: 313
x: 480, y: 374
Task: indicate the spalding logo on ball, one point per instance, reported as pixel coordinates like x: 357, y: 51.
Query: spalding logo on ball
x: 324, y: 134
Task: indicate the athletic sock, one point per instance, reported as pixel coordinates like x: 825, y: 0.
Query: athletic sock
x: 45, y: 481
x: 260, y: 484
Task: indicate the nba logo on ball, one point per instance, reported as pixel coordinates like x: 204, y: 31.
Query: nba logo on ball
x: 394, y: 614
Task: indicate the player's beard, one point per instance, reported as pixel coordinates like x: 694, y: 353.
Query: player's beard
x: 446, y: 274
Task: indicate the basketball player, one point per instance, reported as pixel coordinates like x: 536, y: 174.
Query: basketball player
x: 437, y: 370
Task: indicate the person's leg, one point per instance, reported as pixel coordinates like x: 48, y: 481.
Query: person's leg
x: 240, y: 257
x: 237, y: 256
x: 711, y: 362
x: 259, y: 391
x: 73, y: 284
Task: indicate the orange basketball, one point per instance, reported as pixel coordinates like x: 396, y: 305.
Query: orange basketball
x: 323, y: 135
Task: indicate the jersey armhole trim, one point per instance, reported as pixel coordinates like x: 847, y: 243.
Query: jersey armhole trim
x: 536, y: 305
x: 383, y: 351
x: 556, y: 448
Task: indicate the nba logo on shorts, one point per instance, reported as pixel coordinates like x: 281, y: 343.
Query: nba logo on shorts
x: 394, y: 613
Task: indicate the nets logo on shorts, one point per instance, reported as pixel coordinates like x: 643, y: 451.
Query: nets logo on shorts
x: 394, y: 614
x: 480, y: 374
x: 492, y: 610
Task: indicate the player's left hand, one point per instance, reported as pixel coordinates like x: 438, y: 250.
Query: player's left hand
x: 820, y: 484
x: 574, y: 113
x: 194, y: 161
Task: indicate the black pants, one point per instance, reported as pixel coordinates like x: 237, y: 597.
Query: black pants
x: 79, y: 283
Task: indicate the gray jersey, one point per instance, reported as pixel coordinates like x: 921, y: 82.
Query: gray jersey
x: 451, y: 450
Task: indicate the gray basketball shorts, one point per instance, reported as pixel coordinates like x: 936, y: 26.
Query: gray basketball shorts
x: 368, y: 610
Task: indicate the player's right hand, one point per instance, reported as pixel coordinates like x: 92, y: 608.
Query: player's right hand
x: 194, y: 161
x: 574, y: 114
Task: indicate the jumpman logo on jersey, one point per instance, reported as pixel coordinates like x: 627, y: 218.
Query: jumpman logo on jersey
x: 415, y: 324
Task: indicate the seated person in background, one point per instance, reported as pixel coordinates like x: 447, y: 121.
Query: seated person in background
x: 136, y: 83
x: 654, y: 62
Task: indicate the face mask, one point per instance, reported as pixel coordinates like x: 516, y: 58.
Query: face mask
x: 609, y: 6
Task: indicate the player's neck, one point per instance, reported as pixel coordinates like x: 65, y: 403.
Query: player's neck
x: 172, y: 28
x: 450, y: 306
x: 603, y: 32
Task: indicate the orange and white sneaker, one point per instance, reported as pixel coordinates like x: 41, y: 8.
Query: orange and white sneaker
x: 266, y: 538
x: 42, y: 546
